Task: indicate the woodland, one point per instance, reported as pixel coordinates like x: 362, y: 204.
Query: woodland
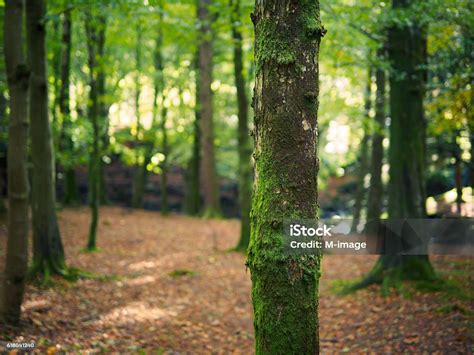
x: 151, y: 152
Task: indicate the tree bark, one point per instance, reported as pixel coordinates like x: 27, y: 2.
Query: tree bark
x: 95, y: 32
x: 70, y: 187
x: 3, y: 147
x: 48, y: 252
x: 13, y: 283
x: 374, y: 201
x: 457, y: 173
x: 208, y: 164
x: 284, y: 288
x: 245, y: 168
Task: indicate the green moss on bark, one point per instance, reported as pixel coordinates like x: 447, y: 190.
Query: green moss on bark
x: 284, y: 287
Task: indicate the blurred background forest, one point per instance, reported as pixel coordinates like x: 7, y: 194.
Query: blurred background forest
x: 147, y: 117
x: 132, y: 124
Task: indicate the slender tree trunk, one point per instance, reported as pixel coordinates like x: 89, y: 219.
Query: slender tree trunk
x: 95, y: 32
x: 193, y: 197
x: 245, y: 168
x: 3, y: 123
x: 48, y: 252
x: 457, y: 174
x: 468, y: 39
x: 374, y: 202
x: 13, y: 283
x: 70, y: 188
x: 406, y: 189
x: 208, y: 165
x: 284, y: 288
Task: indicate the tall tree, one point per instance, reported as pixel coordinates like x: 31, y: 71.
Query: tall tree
x: 3, y: 147
x: 208, y: 163
x: 374, y: 201
x: 48, y: 252
x: 95, y: 32
x: 406, y: 188
x: 245, y: 168
x: 12, y: 287
x: 285, y: 288
x: 70, y: 187
x: 363, y: 159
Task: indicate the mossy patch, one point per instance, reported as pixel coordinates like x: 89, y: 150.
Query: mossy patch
x: 181, y: 272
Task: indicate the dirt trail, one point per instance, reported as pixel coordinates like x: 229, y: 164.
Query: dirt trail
x: 172, y: 286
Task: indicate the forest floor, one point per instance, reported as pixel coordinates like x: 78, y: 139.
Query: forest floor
x: 169, y: 284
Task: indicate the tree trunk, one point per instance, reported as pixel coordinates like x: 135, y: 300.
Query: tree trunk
x: 284, y: 288
x: 374, y: 202
x: 208, y: 164
x: 71, y: 196
x: 13, y: 283
x: 245, y: 168
x: 457, y: 173
x: 406, y: 189
x: 3, y: 147
x: 95, y: 32
x: 193, y: 197
x: 48, y: 252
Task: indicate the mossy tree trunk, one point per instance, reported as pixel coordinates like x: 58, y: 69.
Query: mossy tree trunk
x: 193, y: 197
x: 374, y: 200
x: 71, y: 195
x: 208, y: 164
x: 406, y: 188
x: 284, y: 288
x: 245, y: 168
x: 13, y: 283
x: 95, y: 33
x: 48, y: 252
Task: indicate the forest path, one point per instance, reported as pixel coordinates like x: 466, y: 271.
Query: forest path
x: 169, y: 283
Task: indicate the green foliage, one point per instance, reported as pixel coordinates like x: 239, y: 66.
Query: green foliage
x: 356, y: 30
